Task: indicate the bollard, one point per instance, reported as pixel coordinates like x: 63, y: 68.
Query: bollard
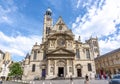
x: 30, y: 82
x: 33, y: 82
x: 72, y: 82
x: 50, y: 82
x: 43, y: 82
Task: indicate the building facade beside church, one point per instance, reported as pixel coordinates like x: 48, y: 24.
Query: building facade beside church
x: 59, y: 54
x: 108, y: 63
x: 5, y: 62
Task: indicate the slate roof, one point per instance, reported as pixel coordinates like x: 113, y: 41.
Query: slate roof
x: 109, y: 53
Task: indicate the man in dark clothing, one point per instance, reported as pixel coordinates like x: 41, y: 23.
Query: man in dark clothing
x: 71, y: 79
x: 86, y: 77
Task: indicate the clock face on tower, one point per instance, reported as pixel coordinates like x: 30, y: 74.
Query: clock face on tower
x: 61, y: 42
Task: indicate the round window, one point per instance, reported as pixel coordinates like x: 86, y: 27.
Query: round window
x: 61, y: 42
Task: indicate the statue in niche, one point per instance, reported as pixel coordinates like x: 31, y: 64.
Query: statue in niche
x: 52, y: 62
x: 52, y: 69
x: 69, y: 43
x: 70, y: 62
x: 70, y: 69
x: 60, y: 27
x: 52, y: 43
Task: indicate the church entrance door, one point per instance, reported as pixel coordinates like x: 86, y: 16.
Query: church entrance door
x: 43, y: 73
x: 61, y: 71
x: 79, y: 74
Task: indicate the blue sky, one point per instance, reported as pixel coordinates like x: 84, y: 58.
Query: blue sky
x: 21, y: 22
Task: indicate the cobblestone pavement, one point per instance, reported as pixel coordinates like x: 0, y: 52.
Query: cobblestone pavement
x: 12, y: 82
x: 77, y: 81
x: 69, y: 82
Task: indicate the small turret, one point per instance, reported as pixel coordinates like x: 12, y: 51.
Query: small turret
x: 93, y: 42
x: 48, y: 23
x: 79, y: 39
x: 49, y: 12
x: 27, y: 58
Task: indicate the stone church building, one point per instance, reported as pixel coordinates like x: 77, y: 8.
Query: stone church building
x: 59, y: 54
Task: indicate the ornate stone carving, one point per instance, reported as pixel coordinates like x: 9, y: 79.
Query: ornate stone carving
x: 52, y: 62
x: 52, y: 69
x: 60, y: 63
x: 70, y: 62
x: 61, y: 42
x: 78, y: 66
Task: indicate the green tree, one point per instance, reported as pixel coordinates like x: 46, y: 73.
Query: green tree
x: 16, y: 70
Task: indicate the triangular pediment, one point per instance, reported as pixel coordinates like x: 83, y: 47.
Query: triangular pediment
x: 61, y: 51
x: 60, y: 21
x: 60, y: 25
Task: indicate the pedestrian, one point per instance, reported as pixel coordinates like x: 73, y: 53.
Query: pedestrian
x: 0, y: 81
x: 109, y: 75
x: 71, y: 79
x: 86, y: 79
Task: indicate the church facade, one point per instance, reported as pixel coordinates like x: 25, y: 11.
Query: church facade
x: 59, y: 54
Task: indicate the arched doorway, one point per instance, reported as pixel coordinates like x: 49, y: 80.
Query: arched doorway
x: 61, y: 68
x: 79, y: 70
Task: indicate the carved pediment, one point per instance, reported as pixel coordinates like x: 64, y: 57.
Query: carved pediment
x: 61, y: 51
x: 62, y: 35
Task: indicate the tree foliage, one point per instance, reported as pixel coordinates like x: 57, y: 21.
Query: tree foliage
x: 15, y: 70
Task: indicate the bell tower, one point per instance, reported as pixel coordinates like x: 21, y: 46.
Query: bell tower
x: 93, y: 42
x: 48, y: 23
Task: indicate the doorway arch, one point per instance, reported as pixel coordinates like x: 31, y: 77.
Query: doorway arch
x: 61, y: 68
x: 79, y: 70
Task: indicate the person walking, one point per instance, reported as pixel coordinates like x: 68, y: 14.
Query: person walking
x: 1, y: 81
x: 86, y: 80
x: 71, y: 80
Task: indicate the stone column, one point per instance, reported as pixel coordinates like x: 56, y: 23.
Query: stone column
x: 67, y: 69
x: 55, y: 68
x: 74, y: 69
x: 48, y: 69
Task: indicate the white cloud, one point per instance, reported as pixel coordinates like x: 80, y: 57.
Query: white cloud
x: 5, y: 19
x: 78, y: 4
x: 110, y: 44
x: 19, y: 45
x: 6, y: 10
x: 100, y: 22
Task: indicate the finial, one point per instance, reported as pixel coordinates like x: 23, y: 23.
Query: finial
x: 96, y: 37
x: 36, y: 43
x: 91, y: 36
x: 79, y: 38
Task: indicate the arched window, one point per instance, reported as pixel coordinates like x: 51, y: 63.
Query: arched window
x: 94, y: 43
x: 87, y: 54
x: 44, y: 54
x: 47, y: 30
x: 33, y: 68
x: 35, y: 55
x: 60, y: 27
x: 89, y: 67
x: 77, y: 53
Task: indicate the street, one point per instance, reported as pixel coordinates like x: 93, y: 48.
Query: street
x: 76, y: 81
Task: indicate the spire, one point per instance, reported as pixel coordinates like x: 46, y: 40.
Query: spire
x: 60, y: 20
x: 79, y: 38
x: 27, y: 55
